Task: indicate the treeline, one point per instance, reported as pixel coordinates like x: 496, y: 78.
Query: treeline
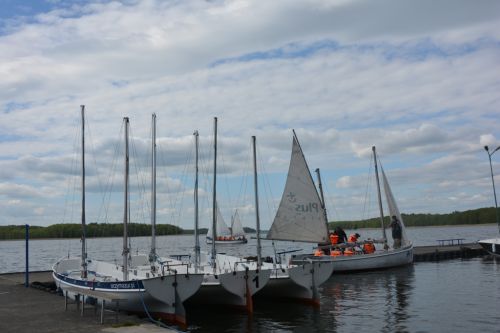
x: 476, y: 216
x: 92, y: 230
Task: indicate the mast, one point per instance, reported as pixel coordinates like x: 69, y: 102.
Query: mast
x: 322, y: 197
x: 214, y: 204
x: 379, y: 196
x: 257, y: 218
x: 152, y: 254
x: 196, y: 236
x: 125, y: 210
x: 84, y: 245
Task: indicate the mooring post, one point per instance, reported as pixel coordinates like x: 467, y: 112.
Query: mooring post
x: 26, y: 275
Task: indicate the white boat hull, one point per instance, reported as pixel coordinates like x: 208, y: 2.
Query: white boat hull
x: 234, y: 283
x: 360, y: 262
x: 491, y: 245
x: 298, y: 282
x: 162, y: 296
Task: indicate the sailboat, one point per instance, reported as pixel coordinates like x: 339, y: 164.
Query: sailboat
x: 132, y: 286
x: 300, y: 217
x: 384, y: 257
x: 227, y: 280
x: 226, y: 235
x: 492, y: 245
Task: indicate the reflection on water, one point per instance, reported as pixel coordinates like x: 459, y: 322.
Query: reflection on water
x: 379, y: 298
x: 349, y: 302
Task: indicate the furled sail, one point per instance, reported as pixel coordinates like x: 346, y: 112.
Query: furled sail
x: 236, y: 226
x: 393, y: 208
x: 300, y: 215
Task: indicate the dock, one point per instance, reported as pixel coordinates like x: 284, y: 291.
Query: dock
x: 39, y: 308
x: 446, y: 252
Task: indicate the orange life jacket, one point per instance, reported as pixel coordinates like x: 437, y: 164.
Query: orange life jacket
x: 318, y: 253
x: 336, y: 253
x: 352, y: 238
x: 334, y: 239
x: 368, y: 248
x: 348, y: 252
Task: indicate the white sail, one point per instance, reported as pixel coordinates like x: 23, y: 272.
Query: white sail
x: 300, y: 216
x: 393, y: 208
x: 221, y: 227
x: 236, y: 226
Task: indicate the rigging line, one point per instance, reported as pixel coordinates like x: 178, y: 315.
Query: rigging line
x: 71, y: 180
x: 143, y: 201
x: 106, y: 198
x: 224, y: 171
x: 242, y: 193
x: 183, y: 179
x: 267, y: 188
x: 331, y: 201
x: 93, y: 153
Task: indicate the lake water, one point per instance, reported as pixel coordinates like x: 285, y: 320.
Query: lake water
x: 461, y: 295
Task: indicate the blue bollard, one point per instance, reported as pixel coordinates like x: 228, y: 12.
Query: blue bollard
x: 26, y: 276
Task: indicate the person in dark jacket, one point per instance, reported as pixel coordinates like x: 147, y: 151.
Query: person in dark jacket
x: 342, y: 235
x: 397, y: 231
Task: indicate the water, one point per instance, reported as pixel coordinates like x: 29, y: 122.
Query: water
x: 449, y: 296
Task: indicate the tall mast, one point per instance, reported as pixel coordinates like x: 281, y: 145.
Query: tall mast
x: 84, y: 246
x: 257, y: 221
x: 214, y: 204
x: 125, y: 210
x: 152, y: 254
x: 322, y: 197
x: 379, y: 196
x: 196, y: 236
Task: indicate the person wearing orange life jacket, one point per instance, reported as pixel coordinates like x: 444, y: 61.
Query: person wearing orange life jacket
x: 336, y: 253
x: 318, y: 252
x: 353, y: 238
x: 348, y: 252
x: 334, y: 238
x: 368, y: 248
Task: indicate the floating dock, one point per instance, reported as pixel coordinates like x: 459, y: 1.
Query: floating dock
x: 446, y: 252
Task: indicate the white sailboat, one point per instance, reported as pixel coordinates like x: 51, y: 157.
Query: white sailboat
x: 492, y: 245
x: 300, y: 217
x: 226, y: 235
x: 383, y: 257
x: 134, y: 286
x: 227, y: 280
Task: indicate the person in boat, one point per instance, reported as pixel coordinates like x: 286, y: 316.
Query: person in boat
x: 368, y: 247
x: 353, y: 238
x: 397, y: 232
x: 342, y: 237
x: 318, y: 252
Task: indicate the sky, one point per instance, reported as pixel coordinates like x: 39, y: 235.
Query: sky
x: 417, y: 79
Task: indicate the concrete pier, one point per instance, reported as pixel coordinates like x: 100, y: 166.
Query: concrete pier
x: 27, y: 310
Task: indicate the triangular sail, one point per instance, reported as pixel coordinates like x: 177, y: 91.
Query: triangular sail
x: 300, y: 216
x: 221, y: 227
x: 236, y: 226
x: 393, y: 208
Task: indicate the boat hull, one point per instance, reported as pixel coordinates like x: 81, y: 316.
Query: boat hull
x: 234, y: 283
x: 491, y: 245
x: 363, y: 262
x: 160, y: 296
x: 298, y: 282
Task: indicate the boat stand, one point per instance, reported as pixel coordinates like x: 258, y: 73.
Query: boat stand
x: 80, y: 298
